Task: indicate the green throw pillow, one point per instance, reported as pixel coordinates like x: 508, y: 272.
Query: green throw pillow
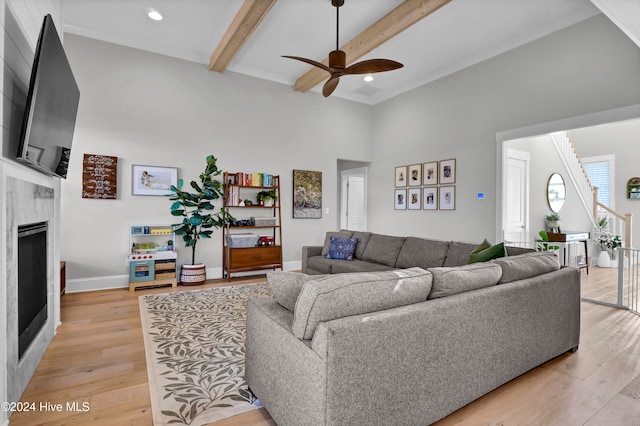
x: 492, y: 252
x: 483, y: 246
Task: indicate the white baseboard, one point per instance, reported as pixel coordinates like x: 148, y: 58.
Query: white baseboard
x: 77, y: 285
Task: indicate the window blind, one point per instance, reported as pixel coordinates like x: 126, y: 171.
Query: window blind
x: 599, y: 173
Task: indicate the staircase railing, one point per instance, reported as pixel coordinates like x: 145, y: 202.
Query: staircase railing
x: 629, y: 279
x: 618, y: 224
x: 577, y: 174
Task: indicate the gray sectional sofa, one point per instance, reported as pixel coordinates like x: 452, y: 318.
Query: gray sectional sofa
x: 405, y: 346
x: 377, y: 252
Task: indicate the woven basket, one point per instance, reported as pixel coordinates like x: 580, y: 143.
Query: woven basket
x: 193, y: 274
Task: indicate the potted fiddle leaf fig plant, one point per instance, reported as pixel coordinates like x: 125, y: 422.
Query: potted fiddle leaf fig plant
x: 199, y: 216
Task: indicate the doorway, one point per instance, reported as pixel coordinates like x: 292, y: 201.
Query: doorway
x: 353, y: 199
x: 516, y: 197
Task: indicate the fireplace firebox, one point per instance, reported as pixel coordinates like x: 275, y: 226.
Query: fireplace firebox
x: 32, y: 283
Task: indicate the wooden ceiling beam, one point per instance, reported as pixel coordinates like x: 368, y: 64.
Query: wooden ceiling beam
x: 393, y: 23
x: 243, y: 25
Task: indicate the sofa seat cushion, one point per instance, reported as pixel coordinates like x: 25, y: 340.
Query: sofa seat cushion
x: 448, y: 281
x: 358, y: 266
x: 327, y: 239
x: 321, y: 264
x: 344, y: 295
x: 383, y: 249
x: 422, y: 252
x: 458, y: 253
x: 526, y: 265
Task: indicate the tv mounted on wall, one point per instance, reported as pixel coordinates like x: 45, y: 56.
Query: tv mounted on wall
x: 52, y: 105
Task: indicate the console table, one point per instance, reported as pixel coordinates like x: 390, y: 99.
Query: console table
x: 569, y: 237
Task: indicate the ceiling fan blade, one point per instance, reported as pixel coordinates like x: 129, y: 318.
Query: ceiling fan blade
x: 372, y: 66
x: 331, y: 85
x: 311, y: 62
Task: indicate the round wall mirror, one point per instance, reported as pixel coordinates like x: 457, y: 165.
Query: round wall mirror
x: 556, y: 192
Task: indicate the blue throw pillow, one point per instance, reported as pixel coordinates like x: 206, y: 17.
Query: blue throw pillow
x: 342, y: 248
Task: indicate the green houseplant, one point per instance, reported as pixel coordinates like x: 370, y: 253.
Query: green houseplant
x: 552, y: 222
x: 199, y: 218
x: 267, y: 197
x: 543, y: 243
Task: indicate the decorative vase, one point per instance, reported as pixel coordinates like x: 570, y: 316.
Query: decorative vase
x: 193, y: 274
x: 603, y: 259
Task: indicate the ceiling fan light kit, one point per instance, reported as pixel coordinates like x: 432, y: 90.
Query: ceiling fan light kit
x: 338, y: 61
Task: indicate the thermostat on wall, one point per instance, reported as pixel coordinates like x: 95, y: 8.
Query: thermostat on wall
x: 480, y: 195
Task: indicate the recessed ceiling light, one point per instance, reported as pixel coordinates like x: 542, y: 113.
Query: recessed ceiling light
x: 368, y: 78
x: 154, y: 14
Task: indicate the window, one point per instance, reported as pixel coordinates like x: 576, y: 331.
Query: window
x: 600, y: 171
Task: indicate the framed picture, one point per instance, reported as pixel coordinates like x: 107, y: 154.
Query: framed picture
x: 307, y: 194
x: 430, y: 173
x: 447, y: 171
x: 415, y: 175
x: 153, y: 180
x: 414, y: 201
x: 447, y: 197
x: 400, y: 199
x: 34, y: 153
x: 430, y: 198
x: 401, y: 176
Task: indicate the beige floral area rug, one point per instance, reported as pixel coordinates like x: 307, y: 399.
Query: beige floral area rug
x: 194, y: 346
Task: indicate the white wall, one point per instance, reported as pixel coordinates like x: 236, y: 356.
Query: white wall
x: 586, y: 68
x: 151, y: 109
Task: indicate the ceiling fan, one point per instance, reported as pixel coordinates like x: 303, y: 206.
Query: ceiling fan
x: 338, y: 60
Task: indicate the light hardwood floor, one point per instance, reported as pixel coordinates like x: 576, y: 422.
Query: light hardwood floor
x: 98, y: 357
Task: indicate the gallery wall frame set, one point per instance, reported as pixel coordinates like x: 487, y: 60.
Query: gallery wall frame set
x: 416, y: 186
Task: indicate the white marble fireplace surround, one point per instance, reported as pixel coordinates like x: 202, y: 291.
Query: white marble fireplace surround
x: 25, y: 202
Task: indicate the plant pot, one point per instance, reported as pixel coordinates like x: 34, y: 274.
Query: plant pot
x: 603, y: 259
x: 268, y: 203
x: 553, y: 226
x: 193, y: 274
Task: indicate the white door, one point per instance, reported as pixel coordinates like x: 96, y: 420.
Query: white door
x: 353, y: 204
x: 516, y: 197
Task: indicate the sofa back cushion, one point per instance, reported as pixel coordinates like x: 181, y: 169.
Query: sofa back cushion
x: 327, y: 239
x: 458, y: 253
x: 422, y: 252
x: 337, y: 296
x: 363, y: 239
x: 526, y: 265
x: 286, y: 286
x: 383, y: 249
x: 448, y: 281
x: 514, y: 251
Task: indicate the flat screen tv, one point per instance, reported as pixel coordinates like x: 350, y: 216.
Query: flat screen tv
x: 52, y: 105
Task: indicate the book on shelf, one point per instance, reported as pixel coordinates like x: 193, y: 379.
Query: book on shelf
x: 250, y: 179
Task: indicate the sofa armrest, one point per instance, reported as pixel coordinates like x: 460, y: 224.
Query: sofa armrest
x: 307, y: 252
x: 280, y: 369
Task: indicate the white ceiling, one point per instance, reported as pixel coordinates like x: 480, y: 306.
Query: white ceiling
x: 460, y: 34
